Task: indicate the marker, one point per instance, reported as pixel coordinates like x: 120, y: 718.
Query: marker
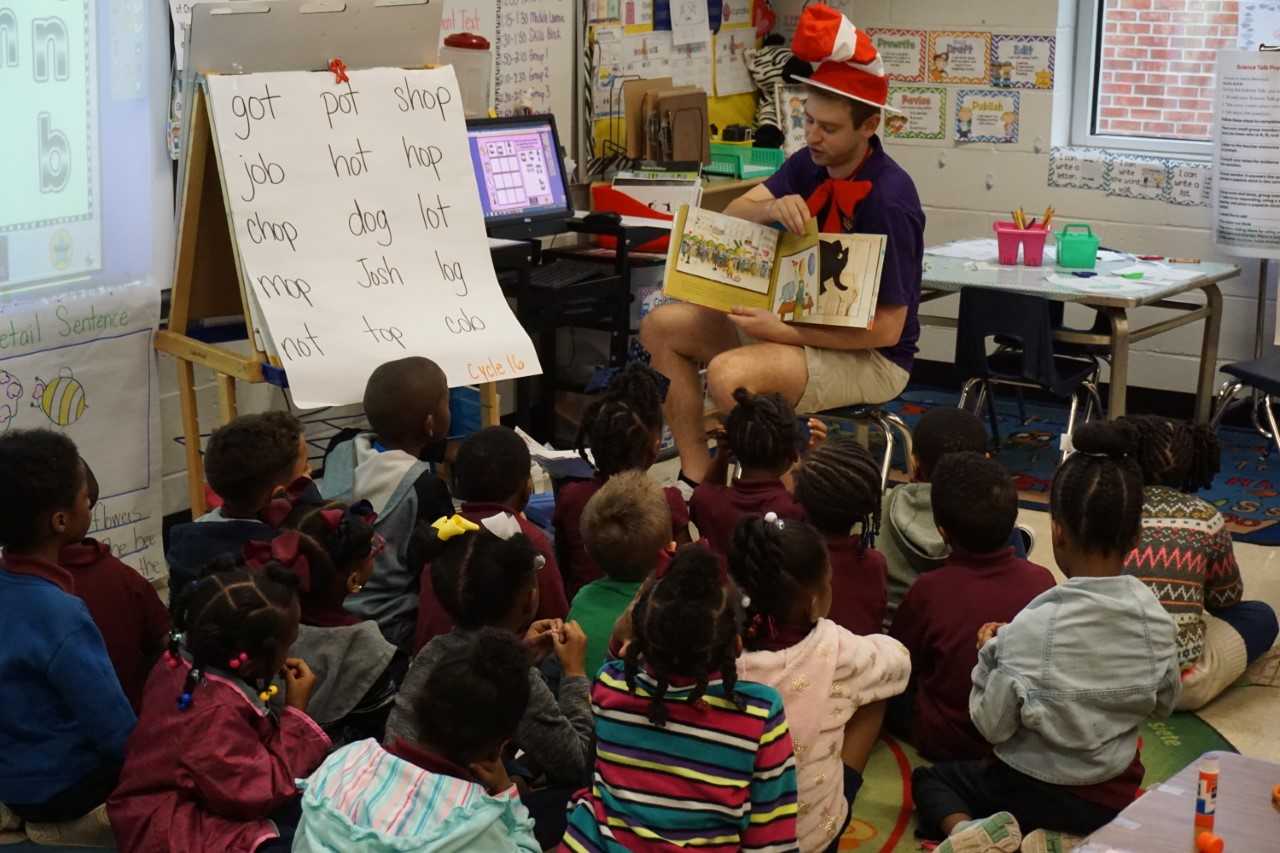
x: 1084, y: 274
x: 1184, y: 260
x: 1151, y: 257
x: 1132, y: 276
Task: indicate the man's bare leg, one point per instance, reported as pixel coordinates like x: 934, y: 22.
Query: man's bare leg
x: 761, y: 369
x: 679, y: 337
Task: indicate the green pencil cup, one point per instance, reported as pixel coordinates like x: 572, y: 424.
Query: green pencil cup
x: 1077, y: 246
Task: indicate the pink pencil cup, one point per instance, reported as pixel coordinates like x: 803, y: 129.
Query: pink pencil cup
x: 1009, y: 237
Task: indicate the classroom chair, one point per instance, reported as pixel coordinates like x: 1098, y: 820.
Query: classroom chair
x: 1025, y: 355
x: 888, y: 422
x: 1262, y: 375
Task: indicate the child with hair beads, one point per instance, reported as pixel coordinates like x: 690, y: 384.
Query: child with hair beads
x: 486, y: 575
x: 838, y: 484
x: 491, y: 476
x: 211, y: 767
x: 448, y: 790
x: 974, y: 506
x: 762, y: 435
x: 1185, y: 557
x: 331, y: 549
x: 627, y: 528
x: 248, y: 462
x: 687, y: 756
x: 64, y: 719
x: 833, y: 682
x: 620, y: 431
x: 407, y: 404
x: 125, y: 607
x: 1062, y: 690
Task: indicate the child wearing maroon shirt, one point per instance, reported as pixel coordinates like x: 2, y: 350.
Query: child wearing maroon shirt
x: 491, y: 476
x: 975, y: 505
x: 763, y: 438
x: 620, y: 432
x: 125, y: 607
x: 838, y: 484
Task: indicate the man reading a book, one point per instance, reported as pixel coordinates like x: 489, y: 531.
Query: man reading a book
x: 846, y: 181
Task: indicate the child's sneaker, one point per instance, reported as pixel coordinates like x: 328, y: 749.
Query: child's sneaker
x: 10, y: 827
x: 91, y: 830
x: 1049, y: 841
x: 996, y: 834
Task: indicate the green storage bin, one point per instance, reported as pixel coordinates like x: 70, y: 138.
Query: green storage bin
x: 740, y: 160
x: 1077, y: 249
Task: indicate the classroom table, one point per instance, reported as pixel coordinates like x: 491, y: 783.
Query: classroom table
x: 945, y: 276
x: 1163, y: 819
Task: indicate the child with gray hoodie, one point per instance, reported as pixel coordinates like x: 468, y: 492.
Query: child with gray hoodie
x: 1062, y: 690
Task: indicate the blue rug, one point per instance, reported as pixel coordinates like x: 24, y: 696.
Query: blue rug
x: 1246, y: 492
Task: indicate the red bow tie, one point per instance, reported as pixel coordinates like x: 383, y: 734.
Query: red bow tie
x: 833, y: 203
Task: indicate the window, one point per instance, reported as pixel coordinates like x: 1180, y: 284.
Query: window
x: 1144, y: 75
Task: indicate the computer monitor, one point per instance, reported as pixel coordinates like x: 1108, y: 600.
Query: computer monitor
x: 518, y: 170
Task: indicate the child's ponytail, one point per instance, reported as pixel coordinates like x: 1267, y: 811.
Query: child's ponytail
x: 619, y: 426
x: 775, y: 563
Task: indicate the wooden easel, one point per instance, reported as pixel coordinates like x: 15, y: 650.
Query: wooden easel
x: 207, y: 286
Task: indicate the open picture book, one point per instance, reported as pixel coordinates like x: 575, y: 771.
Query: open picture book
x: 723, y: 262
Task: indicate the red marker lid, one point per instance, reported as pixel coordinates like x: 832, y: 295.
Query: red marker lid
x: 467, y: 40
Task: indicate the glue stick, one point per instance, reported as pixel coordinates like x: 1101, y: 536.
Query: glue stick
x: 1207, y: 795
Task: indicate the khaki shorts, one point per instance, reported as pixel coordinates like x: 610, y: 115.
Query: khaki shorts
x: 839, y: 378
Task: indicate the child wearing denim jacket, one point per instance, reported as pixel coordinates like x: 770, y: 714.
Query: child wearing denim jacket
x: 1062, y: 689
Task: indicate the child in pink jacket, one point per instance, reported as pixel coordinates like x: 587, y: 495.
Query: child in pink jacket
x: 212, y: 765
x: 833, y: 682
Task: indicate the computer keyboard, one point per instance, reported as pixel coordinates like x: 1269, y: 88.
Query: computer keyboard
x: 563, y: 272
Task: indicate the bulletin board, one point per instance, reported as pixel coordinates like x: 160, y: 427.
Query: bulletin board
x: 644, y: 28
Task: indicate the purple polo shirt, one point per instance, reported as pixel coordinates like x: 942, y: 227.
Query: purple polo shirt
x: 893, y: 209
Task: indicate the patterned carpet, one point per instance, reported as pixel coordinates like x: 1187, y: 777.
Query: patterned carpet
x: 1247, y: 492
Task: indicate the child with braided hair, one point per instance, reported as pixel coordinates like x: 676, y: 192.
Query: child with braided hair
x: 762, y: 435
x: 838, y: 484
x: 331, y: 549
x: 486, y: 575
x: 211, y: 766
x: 620, y: 431
x: 834, y: 683
x: 1062, y: 689
x: 688, y: 756
x: 1185, y: 557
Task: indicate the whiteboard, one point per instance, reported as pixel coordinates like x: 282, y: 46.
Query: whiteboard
x: 534, y: 46
x: 358, y: 228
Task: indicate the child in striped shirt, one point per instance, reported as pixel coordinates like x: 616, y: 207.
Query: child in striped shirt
x: 446, y: 790
x: 687, y: 756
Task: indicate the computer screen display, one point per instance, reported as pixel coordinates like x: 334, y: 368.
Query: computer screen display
x: 518, y: 170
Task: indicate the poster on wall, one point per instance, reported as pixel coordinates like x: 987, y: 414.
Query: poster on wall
x: 1246, y: 158
x: 732, y: 76
x: 923, y: 116
x: 1078, y: 168
x: 959, y: 57
x: 1258, y: 23
x: 84, y: 364
x: 609, y: 61
x: 1190, y: 184
x: 691, y: 64
x: 1134, y: 176
x: 792, y: 109
x: 986, y: 115
x: 902, y: 52
x: 1022, y: 62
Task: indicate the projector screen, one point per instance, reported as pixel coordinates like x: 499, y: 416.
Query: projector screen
x: 86, y: 186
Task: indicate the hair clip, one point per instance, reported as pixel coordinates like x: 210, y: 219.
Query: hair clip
x: 503, y: 525
x: 746, y: 602
x: 269, y: 693
x: 238, y: 661
x: 447, y: 527
x: 539, y: 563
x: 772, y: 518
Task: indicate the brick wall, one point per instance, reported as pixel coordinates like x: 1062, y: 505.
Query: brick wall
x: 1156, y: 75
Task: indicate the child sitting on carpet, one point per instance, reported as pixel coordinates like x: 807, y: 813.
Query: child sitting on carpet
x: 763, y: 437
x: 1062, y: 689
x: 491, y: 476
x: 211, y: 767
x: 247, y: 462
x: 627, y: 528
x: 833, y: 683
x: 622, y: 430
x: 446, y: 790
x: 407, y: 404
x: 331, y: 548
x: 1185, y: 557
x: 838, y: 484
x: 487, y: 574
x: 723, y: 770
x: 974, y: 506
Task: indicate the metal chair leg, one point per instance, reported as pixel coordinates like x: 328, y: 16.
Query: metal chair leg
x: 887, y: 462
x: 1022, y: 408
x: 1226, y: 396
x: 1271, y: 420
x: 1093, y: 401
x: 965, y: 390
x: 1071, y: 419
x: 905, y: 432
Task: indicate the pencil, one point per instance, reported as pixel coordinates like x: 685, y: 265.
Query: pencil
x: 1048, y: 215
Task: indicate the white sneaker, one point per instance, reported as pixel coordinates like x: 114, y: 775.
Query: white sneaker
x: 1049, y: 841
x: 996, y: 834
x: 8, y: 820
x: 91, y: 830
